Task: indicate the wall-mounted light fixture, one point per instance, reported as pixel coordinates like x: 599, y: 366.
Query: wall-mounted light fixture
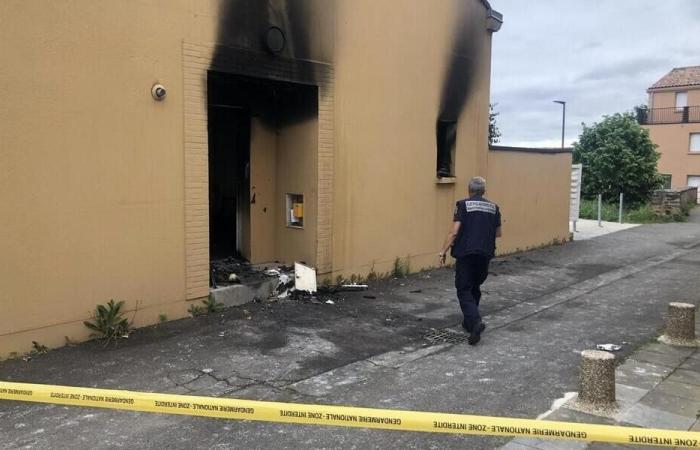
x: 158, y: 92
x: 494, y: 19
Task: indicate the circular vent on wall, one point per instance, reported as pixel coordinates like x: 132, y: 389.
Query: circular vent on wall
x: 275, y: 40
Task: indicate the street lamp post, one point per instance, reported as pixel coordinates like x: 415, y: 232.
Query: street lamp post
x: 563, y: 127
x: 563, y: 120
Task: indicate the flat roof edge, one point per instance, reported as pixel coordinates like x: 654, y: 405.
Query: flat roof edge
x: 540, y: 150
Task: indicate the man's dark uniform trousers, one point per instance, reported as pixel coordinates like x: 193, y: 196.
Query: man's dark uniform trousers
x: 473, y: 249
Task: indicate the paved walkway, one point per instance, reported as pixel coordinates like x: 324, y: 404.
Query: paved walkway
x: 589, y: 229
x: 377, y: 349
x: 658, y: 386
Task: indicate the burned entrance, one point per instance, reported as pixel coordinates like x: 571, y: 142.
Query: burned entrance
x: 263, y: 139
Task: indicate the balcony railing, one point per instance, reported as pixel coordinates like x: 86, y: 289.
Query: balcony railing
x: 658, y: 116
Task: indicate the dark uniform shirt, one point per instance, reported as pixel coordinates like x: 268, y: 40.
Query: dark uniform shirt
x: 477, y: 233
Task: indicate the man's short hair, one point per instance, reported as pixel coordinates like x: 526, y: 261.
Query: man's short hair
x: 477, y: 186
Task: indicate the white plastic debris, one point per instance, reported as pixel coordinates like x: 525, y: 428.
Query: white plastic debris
x: 330, y: 302
x: 304, y: 278
x: 354, y: 287
x: 273, y: 273
x: 284, y: 278
x: 207, y: 370
x: 233, y: 278
x: 609, y: 347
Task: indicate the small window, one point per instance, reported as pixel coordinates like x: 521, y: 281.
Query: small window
x: 694, y: 181
x: 667, y: 180
x: 695, y: 142
x: 295, y: 210
x: 446, y: 140
x: 681, y: 100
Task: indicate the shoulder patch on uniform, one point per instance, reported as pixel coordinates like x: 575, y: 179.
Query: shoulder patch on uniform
x: 477, y: 205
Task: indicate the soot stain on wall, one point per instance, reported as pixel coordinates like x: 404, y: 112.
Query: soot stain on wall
x: 458, y: 83
x: 275, y: 103
x: 244, y: 24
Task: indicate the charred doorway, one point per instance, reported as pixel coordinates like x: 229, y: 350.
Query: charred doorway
x: 263, y: 147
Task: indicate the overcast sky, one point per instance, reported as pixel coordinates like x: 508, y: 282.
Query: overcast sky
x: 598, y: 55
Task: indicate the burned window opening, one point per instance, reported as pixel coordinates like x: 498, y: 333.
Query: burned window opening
x: 446, y: 140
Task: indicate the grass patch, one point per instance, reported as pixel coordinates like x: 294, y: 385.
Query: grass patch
x: 637, y: 214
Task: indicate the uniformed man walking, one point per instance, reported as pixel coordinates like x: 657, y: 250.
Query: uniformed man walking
x: 475, y: 227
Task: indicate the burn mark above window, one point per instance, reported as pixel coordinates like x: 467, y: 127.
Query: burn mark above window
x: 446, y: 140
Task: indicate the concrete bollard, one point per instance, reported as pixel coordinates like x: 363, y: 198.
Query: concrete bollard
x: 597, y: 380
x: 680, y: 325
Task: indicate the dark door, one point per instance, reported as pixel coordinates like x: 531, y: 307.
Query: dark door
x: 229, y: 180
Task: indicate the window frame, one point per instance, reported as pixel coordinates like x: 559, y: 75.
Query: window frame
x: 690, y: 143
x: 446, y: 145
x: 668, y: 180
x: 684, y: 95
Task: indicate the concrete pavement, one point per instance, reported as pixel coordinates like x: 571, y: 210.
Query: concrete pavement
x: 589, y: 229
x: 542, y: 307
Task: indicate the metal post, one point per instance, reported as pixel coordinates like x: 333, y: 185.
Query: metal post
x: 563, y: 124
x: 622, y: 197
x: 600, y: 206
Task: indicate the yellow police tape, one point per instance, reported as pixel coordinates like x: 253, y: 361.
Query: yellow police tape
x: 228, y: 408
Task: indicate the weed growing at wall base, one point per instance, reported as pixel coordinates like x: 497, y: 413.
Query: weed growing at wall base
x: 109, y: 322
x: 209, y: 305
x: 402, y: 268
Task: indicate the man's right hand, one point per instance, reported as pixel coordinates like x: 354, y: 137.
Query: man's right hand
x: 442, y: 256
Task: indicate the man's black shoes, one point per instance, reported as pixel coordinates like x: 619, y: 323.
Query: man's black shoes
x: 474, y: 338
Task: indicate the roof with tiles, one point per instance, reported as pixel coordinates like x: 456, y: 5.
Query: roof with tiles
x: 678, y: 77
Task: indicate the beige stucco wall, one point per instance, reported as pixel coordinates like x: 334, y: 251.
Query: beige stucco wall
x: 103, y: 191
x: 91, y: 184
x: 91, y: 176
x: 388, y: 85
x: 532, y: 190
x: 667, y: 98
x: 674, y: 145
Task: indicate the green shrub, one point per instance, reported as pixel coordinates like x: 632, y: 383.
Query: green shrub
x: 617, y: 156
x: 639, y: 214
x: 589, y: 210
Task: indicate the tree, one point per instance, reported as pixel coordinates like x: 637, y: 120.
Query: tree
x: 494, y: 132
x: 617, y: 156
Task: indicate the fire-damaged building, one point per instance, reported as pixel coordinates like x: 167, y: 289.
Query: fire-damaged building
x: 143, y: 140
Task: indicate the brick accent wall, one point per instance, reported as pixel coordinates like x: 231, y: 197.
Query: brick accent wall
x: 196, y: 61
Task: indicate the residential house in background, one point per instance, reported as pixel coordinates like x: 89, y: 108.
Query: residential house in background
x: 673, y: 121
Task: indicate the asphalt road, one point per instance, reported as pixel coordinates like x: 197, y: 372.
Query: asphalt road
x: 542, y: 308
